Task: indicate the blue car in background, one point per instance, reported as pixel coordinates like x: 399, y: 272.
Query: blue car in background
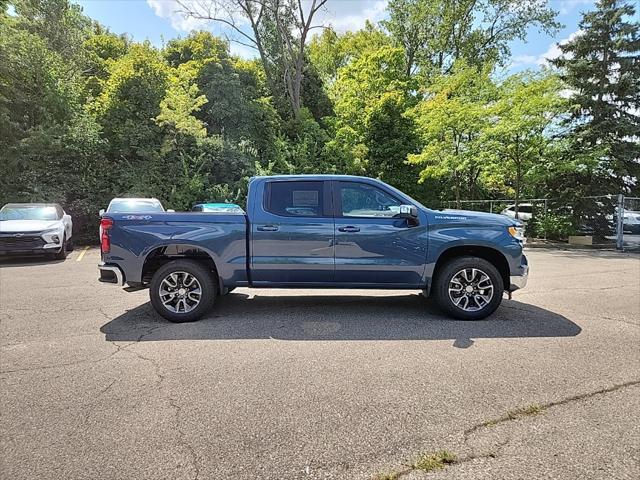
x: 315, y: 231
x: 217, y: 207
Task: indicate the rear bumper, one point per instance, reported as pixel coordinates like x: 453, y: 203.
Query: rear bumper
x: 111, y: 274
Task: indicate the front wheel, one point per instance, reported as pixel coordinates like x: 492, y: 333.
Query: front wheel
x: 182, y: 291
x: 62, y: 253
x: 468, y: 288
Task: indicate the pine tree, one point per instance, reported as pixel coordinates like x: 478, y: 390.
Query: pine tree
x: 601, y: 67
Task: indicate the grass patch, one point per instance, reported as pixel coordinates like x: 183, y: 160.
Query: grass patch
x: 490, y: 423
x: 387, y: 476
x: 519, y: 412
x: 434, y: 461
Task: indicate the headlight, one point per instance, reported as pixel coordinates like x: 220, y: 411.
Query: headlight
x: 52, y: 235
x: 517, y: 233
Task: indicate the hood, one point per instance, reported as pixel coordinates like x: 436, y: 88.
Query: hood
x: 28, y: 225
x: 470, y: 216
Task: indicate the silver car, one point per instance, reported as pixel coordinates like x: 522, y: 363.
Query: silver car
x: 525, y: 211
x: 35, y: 228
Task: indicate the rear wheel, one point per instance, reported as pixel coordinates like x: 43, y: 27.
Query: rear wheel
x: 468, y: 288
x: 182, y: 291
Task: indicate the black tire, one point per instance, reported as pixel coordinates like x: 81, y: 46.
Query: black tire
x: 70, y: 245
x: 203, y: 276
x: 451, y: 269
x: 62, y: 254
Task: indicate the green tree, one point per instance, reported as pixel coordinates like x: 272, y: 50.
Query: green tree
x: 389, y: 137
x: 330, y: 51
x: 50, y: 148
x: 130, y: 102
x: 356, y: 92
x: 601, y: 68
x: 434, y: 34
x: 519, y: 136
x: 277, y: 29
x: 59, y: 23
x: 452, y: 123
x: 100, y: 49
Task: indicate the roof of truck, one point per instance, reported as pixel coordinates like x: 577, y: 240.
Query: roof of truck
x: 312, y: 177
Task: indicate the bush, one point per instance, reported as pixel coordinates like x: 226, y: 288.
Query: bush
x: 551, y: 225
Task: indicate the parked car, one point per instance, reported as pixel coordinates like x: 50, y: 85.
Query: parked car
x: 316, y: 231
x: 132, y: 205
x: 630, y: 221
x: 35, y: 228
x: 525, y: 212
x: 217, y: 207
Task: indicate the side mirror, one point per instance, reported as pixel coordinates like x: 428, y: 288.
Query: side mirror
x: 101, y: 212
x: 171, y: 210
x: 408, y: 211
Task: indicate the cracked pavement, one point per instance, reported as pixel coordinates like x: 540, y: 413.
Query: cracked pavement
x: 320, y: 384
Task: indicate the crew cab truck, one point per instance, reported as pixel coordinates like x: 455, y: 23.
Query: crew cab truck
x: 316, y: 231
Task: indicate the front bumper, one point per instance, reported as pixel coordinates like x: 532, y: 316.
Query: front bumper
x: 519, y: 281
x: 30, y: 243
x: 111, y: 274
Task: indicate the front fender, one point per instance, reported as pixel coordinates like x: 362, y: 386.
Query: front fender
x: 446, y: 237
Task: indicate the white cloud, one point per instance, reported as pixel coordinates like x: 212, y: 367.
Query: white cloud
x: 170, y: 10
x: 567, y: 6
x: 242, y: 51
x: 342, y: 15
x: 543, y: 59
x: 352, y: 15
x: 520, y: 60
x: 554, y: 51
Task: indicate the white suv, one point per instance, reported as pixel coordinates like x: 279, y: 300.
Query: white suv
x: 525, y: 211
x: 35, y: 228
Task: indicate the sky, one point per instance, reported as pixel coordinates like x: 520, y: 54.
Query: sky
x: 159, y: 21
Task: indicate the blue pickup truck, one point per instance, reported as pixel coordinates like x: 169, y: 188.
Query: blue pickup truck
x: 316, y: 231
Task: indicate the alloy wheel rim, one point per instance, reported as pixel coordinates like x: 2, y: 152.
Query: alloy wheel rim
x: 180, y: 292
x: 471, y: 289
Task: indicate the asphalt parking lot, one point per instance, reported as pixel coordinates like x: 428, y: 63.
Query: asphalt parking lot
x: 295, y: 384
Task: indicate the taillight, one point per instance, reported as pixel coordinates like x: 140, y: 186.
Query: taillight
x: 105, y: 242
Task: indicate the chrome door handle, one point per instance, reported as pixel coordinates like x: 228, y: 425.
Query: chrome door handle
x: 349, y: 229
x: 267, y: 228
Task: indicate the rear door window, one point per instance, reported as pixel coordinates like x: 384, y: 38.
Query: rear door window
x: 295, y: 199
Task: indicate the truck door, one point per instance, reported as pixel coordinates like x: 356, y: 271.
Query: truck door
x: 292, y: 233
x: 373, y: 245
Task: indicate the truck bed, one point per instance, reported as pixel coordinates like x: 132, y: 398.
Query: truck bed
x: 140, y: 238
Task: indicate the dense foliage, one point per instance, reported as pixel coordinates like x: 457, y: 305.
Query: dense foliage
x: 86, y: 115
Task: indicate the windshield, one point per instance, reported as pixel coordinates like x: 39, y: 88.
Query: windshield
x: 134, y: 206
x: 28, y: 212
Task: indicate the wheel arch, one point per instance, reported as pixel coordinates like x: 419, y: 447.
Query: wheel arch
x: 164, y: 254
x: 492, y: 255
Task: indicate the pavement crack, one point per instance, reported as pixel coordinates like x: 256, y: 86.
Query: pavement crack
x: 66, y: 364
x: 195, y: 461
x: 91, y: 406
x: 118, y: 348
x: 508, y: 417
